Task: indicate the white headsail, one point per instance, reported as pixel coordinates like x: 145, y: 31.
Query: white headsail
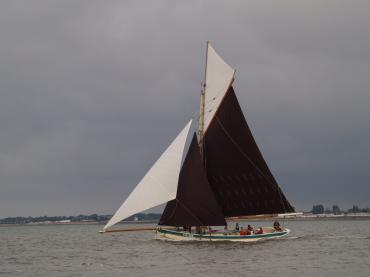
x: 159, y: 185
x: 219, y: 77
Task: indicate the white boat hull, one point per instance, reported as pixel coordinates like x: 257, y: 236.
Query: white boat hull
x: 175, y: 235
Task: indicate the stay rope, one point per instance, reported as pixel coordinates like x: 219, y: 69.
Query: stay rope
x: 251, y: 162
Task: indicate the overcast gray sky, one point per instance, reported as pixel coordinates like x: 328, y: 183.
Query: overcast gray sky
x: 91, y: 93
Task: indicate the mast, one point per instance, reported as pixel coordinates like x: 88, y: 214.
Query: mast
x: 202, y: 106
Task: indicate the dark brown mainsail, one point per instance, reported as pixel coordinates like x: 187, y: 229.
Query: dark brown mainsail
x: 237, y: 172
x: 195, y: 204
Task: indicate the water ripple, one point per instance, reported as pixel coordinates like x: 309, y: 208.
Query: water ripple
x: 334, y: 248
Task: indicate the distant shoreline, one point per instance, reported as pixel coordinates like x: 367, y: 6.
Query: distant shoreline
x: 80, y: 219
x: 75, y: 223
x: 319, y: 218
x: 251, y: 219
x: 303, y: 217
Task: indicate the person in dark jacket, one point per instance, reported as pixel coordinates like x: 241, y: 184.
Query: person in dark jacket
x: 277, y: 226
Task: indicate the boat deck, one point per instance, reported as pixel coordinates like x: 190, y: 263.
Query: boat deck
x: 177, y: 235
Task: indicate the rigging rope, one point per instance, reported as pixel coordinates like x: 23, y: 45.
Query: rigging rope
x: 252, y: 163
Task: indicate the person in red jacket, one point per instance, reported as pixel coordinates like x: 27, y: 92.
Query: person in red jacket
x: 259, y: 231
x: 242, y: 232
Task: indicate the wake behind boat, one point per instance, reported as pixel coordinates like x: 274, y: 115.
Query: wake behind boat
x: 222, y: 176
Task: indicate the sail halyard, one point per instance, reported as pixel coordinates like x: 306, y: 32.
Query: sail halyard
x: 159, y: 185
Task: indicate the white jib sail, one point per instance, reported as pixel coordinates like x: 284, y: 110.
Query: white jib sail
x: 159, y: 185
x: 219, y: 77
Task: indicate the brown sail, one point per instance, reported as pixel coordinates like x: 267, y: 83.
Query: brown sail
x: 236, y: 170
x: 195, y: 204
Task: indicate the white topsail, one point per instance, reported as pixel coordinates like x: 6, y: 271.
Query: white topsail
x: 219, y: 76
x: 159, y: 185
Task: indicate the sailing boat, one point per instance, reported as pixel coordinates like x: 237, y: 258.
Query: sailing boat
x: 223, y: 174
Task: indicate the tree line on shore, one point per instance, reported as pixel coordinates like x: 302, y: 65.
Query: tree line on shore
x: 316, y: 209
x: 79, y: 218
x: 319, y: 209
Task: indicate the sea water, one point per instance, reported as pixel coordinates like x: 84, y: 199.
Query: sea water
x: 313, y: 248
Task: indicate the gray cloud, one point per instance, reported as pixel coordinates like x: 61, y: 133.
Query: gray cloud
x: 92, y: 92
